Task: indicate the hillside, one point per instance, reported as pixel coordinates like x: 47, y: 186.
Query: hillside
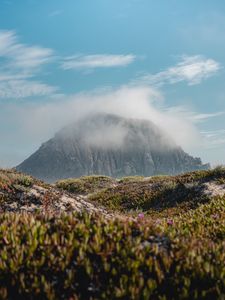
x: 96, y: 237
x: 109, y: 145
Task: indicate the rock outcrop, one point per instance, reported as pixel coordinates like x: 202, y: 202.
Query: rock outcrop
x: 109, y: 145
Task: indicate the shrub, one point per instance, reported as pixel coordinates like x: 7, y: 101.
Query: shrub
x: 78, y: 256
x: 174, y: 250
x: 85, y: 184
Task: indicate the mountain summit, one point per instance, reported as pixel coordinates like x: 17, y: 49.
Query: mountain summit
x: 109, y: 145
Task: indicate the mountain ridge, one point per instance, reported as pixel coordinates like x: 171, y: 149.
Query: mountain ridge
x: 110, y: 145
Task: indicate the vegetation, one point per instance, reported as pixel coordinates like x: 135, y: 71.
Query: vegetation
x: 160, y: 193
x: 9, y: 178
x: 12, y: 183
x: 131, y: 179
x: 85, y: 184
x: 172, y: 249
x: 90, y: 257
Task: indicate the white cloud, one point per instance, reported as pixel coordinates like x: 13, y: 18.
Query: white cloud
x: 214, y: 138
x: 194, y: 117
x: 24, y: 88
x: 21, y: 55
x: 130, y: 102
x: 19, y: 63
x: 191, y: 69
x: 6, y: 76
x: 203, y: 117
x: 97, y: 61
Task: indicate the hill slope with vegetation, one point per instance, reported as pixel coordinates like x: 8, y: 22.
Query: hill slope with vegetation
x: 101, y: 238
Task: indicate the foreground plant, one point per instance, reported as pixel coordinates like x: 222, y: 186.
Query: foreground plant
x: 78, y: 256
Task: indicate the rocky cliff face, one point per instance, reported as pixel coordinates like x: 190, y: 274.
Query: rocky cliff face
x: 109, y: 145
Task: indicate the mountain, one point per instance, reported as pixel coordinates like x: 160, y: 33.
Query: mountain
x: 109, y: 145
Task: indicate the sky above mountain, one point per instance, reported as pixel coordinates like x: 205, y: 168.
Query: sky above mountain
x: 162, y: 60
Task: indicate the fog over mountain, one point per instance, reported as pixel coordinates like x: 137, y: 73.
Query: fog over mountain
x: 38, y: 122
x: 112, y: 145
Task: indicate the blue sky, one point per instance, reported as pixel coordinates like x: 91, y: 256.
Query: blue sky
x: 54, y: 53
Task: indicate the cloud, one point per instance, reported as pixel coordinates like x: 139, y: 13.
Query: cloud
x: 204, y: 117
x: 214, y: 138
x: 109, y: 136
x: 20, y: 55
x: 97, y: 61
x: 194, y: 117
x: 24, y: 88
x: 19, y: 64
x: 37, y: 122
x: 191, y: 69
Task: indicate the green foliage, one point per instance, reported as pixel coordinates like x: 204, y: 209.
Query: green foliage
x: 13, y: 183
x: 175, y: 250
x: 159, y: 193
x: 204, y: 175
x: 131, y: 178
x: 25, y: 181
x: 85, y: 184
x: 146, y: 196
x: 10, y: 178
x: 78, y: 256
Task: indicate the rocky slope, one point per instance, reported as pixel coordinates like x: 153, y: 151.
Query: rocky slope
x: 111, y: 197
x: 155, y: 238
x: 109, y: 145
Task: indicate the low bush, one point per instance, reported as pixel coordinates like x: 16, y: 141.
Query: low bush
x: 78, y: 256
x: 131, y: 179
x: 160, y: 193
x: 85, y: 184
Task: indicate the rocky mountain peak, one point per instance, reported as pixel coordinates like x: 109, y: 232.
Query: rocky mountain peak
x: 109, y: 145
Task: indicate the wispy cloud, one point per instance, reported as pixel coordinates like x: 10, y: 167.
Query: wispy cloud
x: 97, y: 61
x: 204, y: 117
x: 214, y: 138
x: 176, y: 121
x: 191, y: 69
x: 24, y: 88
x: 192, y: 116
x: 21, y: 55
x: 20, y: 63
